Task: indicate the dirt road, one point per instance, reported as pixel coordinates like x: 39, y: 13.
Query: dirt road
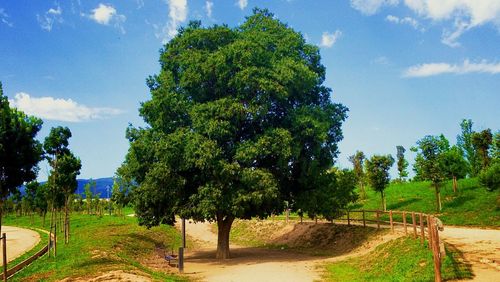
x: 481, y: 249
x: 258, y: 264
x: 19, y: 241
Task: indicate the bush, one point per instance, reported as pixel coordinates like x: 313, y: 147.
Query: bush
x: 490, y: 177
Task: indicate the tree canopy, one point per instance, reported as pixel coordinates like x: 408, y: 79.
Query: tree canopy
x: 239, y: 122
x: 20, y: 152
x: 377, y: 170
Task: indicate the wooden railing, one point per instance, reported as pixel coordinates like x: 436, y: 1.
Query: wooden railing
x: 426, y: 223
x: 13, y: 270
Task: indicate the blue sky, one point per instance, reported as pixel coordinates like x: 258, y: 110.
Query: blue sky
x: 405, y: 68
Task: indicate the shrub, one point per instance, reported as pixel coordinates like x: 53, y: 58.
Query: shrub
x: 490, y: 177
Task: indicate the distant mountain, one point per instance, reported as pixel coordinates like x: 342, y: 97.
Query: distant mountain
x: 101, y: 187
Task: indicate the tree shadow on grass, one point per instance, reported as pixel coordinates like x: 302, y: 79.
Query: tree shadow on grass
x: 400, y: 204
x: 458, y: 201
x: 307, y: 241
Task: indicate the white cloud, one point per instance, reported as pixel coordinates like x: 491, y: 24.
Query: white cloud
x: 178, y: 10
x: 432, y: 69
x: 59, y: 109
x: 106, y: 14
x: 4, y: 18
x: 140, y: 3
x: 381, y: 60
x: 242, y: 4
x: 406, y: 20
x: 370, y: 7
x: 328, y: 39
x: 466, y: 14
x: 47, y: 20
x: 208, y: 7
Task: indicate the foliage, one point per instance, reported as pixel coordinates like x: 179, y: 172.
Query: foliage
x: 377, y: 169
x: 89, y: 196
x: 490, y: 177
x: 238, y: 123
x: 482, y: 142
x: 20, y: 152
x: 464, y: 141
x: 402, y: 163
x: 453, y: 163
x: 357, y: 161
x: 495, y: 147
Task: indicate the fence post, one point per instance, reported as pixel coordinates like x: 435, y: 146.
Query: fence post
x: 435, y: 251
x: 364, y: 220
x: 378, y: 220
x: 414, y: 225
x: 181, y: 260
x: 422, y: 231
x: 348, y: 219
x: 429, y: 231
x: 4, y: 251
x: 390, y: 220
x: 404, y: 222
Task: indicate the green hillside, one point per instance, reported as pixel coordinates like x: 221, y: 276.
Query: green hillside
x: 471, y: 205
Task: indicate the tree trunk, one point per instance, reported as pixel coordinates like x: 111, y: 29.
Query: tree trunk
x: 454, y: 184
x: 384, y: 208
x: 363, y: 192
x: 224, y: 227
x: 438, y: 198
x: 1, y: 216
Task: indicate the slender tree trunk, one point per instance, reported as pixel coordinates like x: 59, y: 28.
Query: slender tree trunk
x: 454, y: 184
x: 438, y: 198
x: 384, y: 208
x: 363, y: 192
x: 224, y: 227
x: 1, y: 215
x: 66, y: 221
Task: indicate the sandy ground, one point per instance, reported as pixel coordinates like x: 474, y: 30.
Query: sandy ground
x: 258, y: 264
x: 19, y: 241
x: 481, y: 249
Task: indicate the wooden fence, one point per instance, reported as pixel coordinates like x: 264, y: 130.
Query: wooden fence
x: 421, y: 225
x: 13, y: 270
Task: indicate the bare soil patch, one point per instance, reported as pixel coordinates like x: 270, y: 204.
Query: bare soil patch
x: 19, y: 241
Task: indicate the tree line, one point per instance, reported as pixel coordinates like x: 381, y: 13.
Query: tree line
x: 476, y: 154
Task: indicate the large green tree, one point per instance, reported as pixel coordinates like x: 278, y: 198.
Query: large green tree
x: 377, y: 170
x: 20, y: 152
x: 238, y: 123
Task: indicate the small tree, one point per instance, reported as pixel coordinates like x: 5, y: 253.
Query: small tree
x: 454, y: 165
x: 402, y: 163
x: 428, y: 163
x: 377, y: 169
x: 89, y: 196
x: 464, y: 141
x: 495, y: 147
x: 482, y: 142
x: 357, y: 161
x: 20, y: 152
x: 490, y: 177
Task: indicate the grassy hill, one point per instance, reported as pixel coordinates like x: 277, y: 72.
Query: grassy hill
x: 471, y: 205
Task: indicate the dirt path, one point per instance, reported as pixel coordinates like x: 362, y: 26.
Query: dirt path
x: 258, y: 264
x: 19, y: 241
x: 481, y: 248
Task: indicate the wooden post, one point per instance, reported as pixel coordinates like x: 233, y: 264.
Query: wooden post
x: 422, y: 231
x: 429, y: 231
x: 435, y: 251
x: 4, y: 251
x: 181, y: 260
x: 348, y: 219
x: 364, y: 220
x: 287, y: 215
x: 404, y: 222
x: 378, y: 220
x: 454, y: 184
x: 390, y: 220
x: 414, y: 225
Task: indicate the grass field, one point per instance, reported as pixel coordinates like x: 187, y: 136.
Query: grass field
x: 403, y: 259
x: 99, y: 245
x: 471, y: 205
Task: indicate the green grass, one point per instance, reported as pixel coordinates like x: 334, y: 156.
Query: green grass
x: 99, y: 245
x: 403, y: 259
x: 471, y: 205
